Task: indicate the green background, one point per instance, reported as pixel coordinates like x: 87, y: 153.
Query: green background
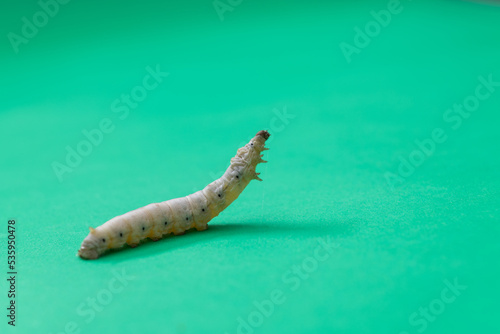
x: 352, y: 121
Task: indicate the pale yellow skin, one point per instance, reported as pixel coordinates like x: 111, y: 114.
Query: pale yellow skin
x: 181, y: 214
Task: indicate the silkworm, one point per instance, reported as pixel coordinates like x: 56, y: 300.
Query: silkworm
x: 154, y: 221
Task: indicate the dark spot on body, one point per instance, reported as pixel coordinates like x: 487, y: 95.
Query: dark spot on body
x: 187, y: 218
x: 237, y: 176
x: 203, y: 210
x: 121, y: 234
x: 166, y: 223
x: 220, y: 195
x: 103, y: 240
x: 143, y: 228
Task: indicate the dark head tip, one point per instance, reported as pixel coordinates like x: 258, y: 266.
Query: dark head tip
x: 264, y: 134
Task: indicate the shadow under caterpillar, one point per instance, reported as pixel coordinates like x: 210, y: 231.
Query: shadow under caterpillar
x: 180, y: 214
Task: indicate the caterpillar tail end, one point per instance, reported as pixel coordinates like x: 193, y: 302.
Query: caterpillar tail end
x: 87, y: 253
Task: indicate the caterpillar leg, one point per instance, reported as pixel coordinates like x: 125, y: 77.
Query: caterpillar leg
x: 133, y: 243
x: 201, y: 227
x: 155, y: 235
x: 179, y: 233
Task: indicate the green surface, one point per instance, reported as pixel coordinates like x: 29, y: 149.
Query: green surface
x: 396, y: 246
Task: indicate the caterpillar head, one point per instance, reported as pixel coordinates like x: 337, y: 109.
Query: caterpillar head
x: 92, y: 246
x: 259, y: 141
x: 264, y: 134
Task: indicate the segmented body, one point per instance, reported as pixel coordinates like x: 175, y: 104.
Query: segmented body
x: 181, y: 214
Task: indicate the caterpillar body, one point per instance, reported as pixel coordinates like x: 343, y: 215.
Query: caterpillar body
x: 181, y: 214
